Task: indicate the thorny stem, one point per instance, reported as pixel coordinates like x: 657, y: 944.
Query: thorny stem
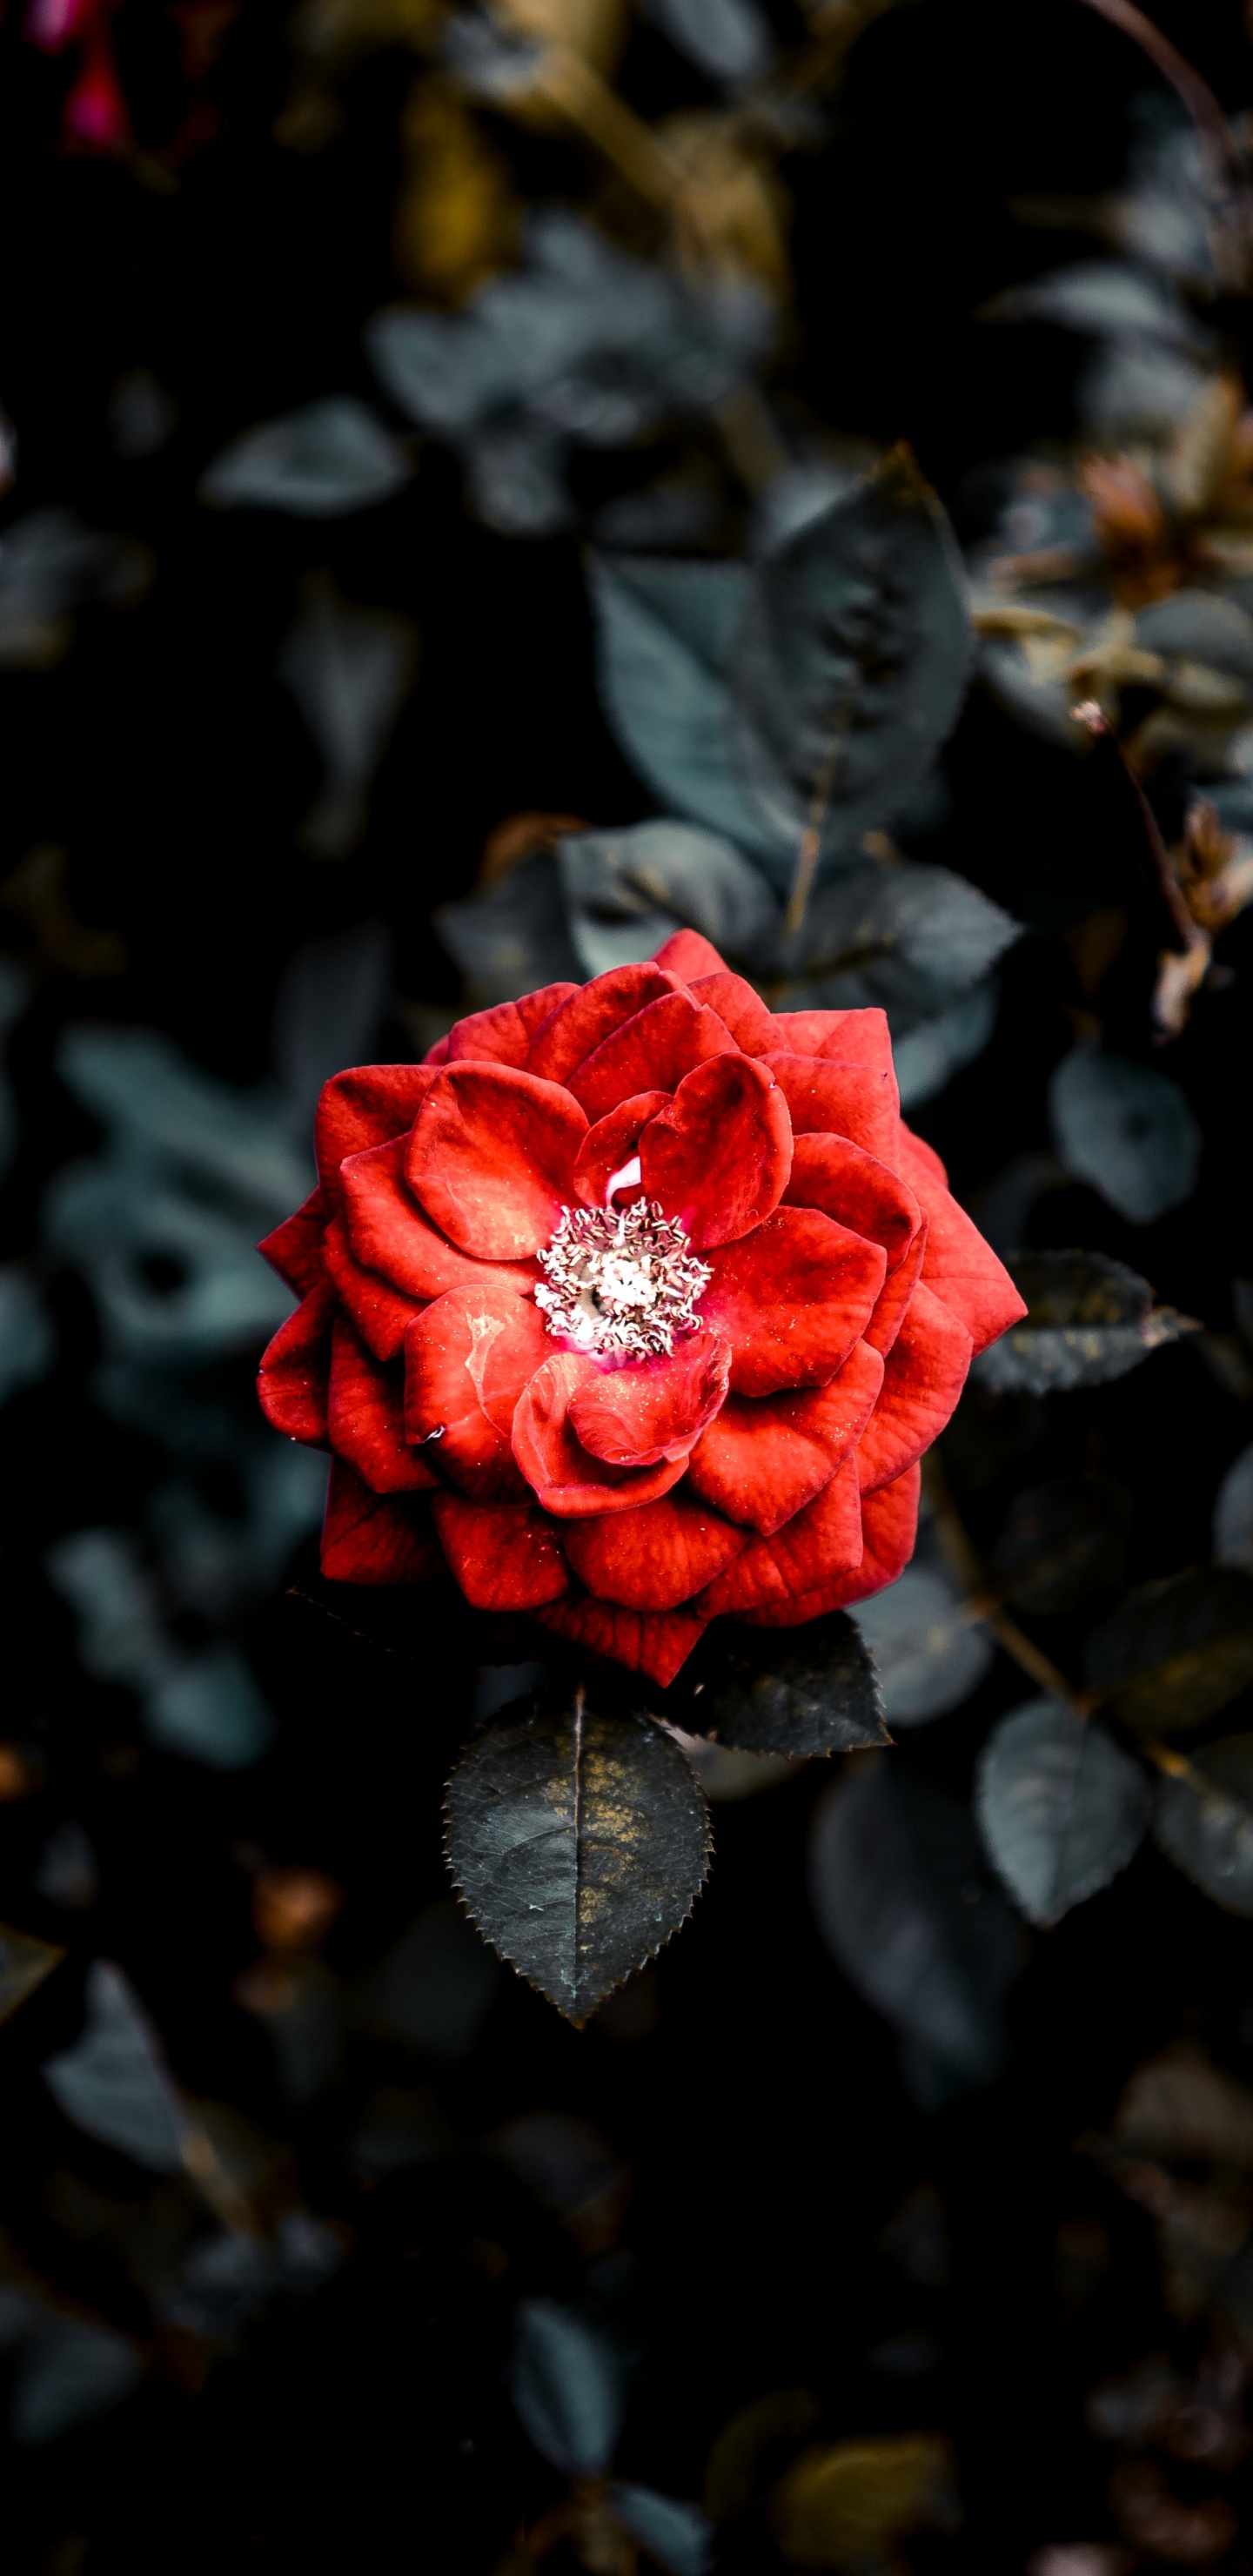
x: 1231, y: 206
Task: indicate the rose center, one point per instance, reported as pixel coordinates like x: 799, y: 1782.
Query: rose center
x: 621, y: 1281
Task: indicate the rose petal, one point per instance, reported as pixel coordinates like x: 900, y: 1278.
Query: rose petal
x: 655, y: 1557
x: 438, y: 1054
x: 822, y: 1541
x: 765, y: 1457
x: 792, y: 1299
x: 378, y: 1310
x: 889, y: 1526
x: 856, y: 1100
x: 467, y: 1360
x: 366, y: 1417
x: 503, y: 1035
x: 505, y: 1556
x: 657, y: 1643
x: 664, y: 1041
x: 610, y: 1144
x: 653, y: 1409
x: 957, y: 1264
x: 390, y: 1233
x: 565, y: 1476
x: 854, y: 1187
x: 373, y: 1538
x: 295, y: 1247
x: 917, y: 1150
x: 855, y: 1037
x: 491, y: 1158
x: 740, y: 1010
x: 687, y: 954
x: 892, y: 1304
x: 924, y: 1376
x: 718, y: 1157
x: 577, y: 1027
x: 292, y: 1378
x: 364, y: 1107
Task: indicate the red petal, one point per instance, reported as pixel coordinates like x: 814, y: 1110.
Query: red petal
x: 822, y: 1542
x: 379, y: 1312
x: 611, y: 1143
x: 792, y: 1299
x: 467, y: 1360
x: 389, y: 1232
x: 657, y: 1643
x: 575, y: 1028
x: 925, y: 1374
x: 370, y: 1538
x: 503, y: 1035
x: 831, y: 1173
x: 854, y: 1100
x: 295, y: 1247
x: 292, y: 1378
x: 654, y: 1409
x: 687, y: 955
x: 491, y: 1158
x: 364, y: 1107
x: 889, y: 1525
x: 506, y: 1556
x: 892, y: 1304
x: 665, y: 1040
x: 916, y: 1149
x: 718, y: 1157
x: 855, y: 1037
x: 740, y: 1010
x: 564, y: 1475
x: 958, y: 1265
x: 366, y: 1417
x: 763, y: 1459
x: 655, y: 1557
x: 438, y: 1054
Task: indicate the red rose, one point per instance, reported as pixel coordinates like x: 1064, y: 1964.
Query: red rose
x: 634, y: 1305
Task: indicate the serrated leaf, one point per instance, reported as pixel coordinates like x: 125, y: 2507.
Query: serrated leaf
x: 1125, y: 1130
x: 1062, y: 1542
x: 847, y: 2504
x: 627, y: 891
x: 1061, y: 1808
x: 1175, y: 1652
x: 907, y: 1904
x: 566, y: 2387
x: 24, y: 1963
x: 1204, y: 1821
x: 929, y: 1655
x: 1089, y: 1319
x: 579, y: 1842
x: 113, y: 2081
x: 852, y: 661
x: 676, y: 2536
x: 801, y: 1691
x: 328, y: 458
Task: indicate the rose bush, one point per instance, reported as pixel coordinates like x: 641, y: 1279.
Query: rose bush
x: 635, y: 1305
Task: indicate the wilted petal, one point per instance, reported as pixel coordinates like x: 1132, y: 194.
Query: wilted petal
x: 792, y: 1299
x: 505, y: 1556
x: 491, y: 1158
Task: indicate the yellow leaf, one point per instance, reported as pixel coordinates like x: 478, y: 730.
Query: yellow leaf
x: 456, y: 216
x: 845, y: 2504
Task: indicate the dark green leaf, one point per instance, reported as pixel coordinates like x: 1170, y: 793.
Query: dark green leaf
x: 113, y: 2081
x: 852, y: 661
x: 579, y: 1842
x: 907, y: 1904
x: 627, y: 891
x: 24, y: 1963
x: 812, y: 1689
x: 316, y: 463
x: 1125, y: 1130
x: 513, y: 937
x: 566, y: 2386
x: 1175, y: 1652
x: 907, y: 937
x: 1060, y: 1806
x: 1205, y: 1821
x: 1089, y: 1319
x: 1062, y: 1542
x: 928, y: 1056
x: 930, y: 1655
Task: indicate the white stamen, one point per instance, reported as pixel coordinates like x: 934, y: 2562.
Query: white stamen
x: 621, y: 1281
x: 627, y: 1179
